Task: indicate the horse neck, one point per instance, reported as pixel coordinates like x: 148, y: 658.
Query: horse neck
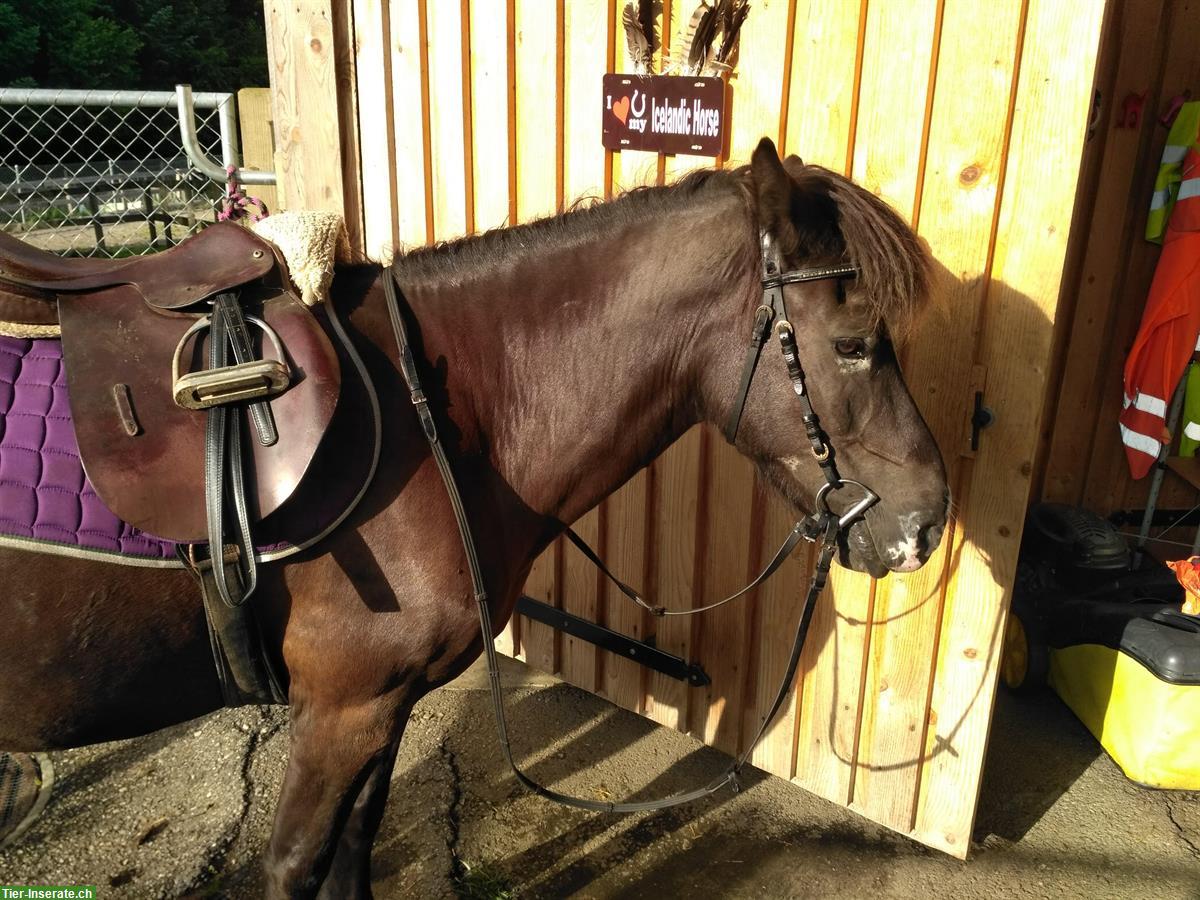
x: 576, y: 362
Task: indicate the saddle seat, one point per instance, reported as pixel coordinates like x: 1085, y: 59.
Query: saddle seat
x: 122, y: 322
x: 219, y: 258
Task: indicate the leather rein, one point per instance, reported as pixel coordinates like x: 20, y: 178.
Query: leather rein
x: 824, y: 525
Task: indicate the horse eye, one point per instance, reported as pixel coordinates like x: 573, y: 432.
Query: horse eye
x: 851, y: 348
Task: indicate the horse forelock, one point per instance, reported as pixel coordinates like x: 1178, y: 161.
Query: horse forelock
x: 894, y: 265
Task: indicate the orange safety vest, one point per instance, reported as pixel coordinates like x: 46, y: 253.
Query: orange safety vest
x: 1170, y: 324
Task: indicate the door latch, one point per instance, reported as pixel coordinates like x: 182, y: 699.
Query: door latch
x: 981, y: 418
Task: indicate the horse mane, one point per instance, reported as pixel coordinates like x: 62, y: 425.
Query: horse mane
x: 842, y: 222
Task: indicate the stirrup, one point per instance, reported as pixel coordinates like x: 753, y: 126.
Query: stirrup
x: 254, y: 380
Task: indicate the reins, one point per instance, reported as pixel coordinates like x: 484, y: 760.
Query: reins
x: 823, y: 525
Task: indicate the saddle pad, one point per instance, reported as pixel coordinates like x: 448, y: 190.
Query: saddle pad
x: 44, y: 493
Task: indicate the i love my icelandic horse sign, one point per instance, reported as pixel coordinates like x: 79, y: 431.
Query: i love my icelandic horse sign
x: 664, y: 114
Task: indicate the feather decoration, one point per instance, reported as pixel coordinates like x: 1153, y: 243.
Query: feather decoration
x: 734, y: 13
x: 648, y: 11
x: 641, y: 47
x: 701, y: 32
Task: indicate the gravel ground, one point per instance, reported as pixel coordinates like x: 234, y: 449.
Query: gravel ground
x: 187, y: 812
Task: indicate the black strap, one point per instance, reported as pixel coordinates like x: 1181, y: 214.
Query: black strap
x: 223, y: 470
x: 762, y: 324
x: 828, y: 527
x: 806, y: 529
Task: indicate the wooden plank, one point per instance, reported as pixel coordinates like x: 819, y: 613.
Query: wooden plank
x: 820, y: 97
x: 676, y: 510
x: 410, y: 125
x: 446, y: 129
x: 257, y: 139
x: 728, y: 554
x: 347, y: 100
x: 779, y: 606
x: 1115, y: 223
x: 490, y: 200
x: 489, y: 112
x: 585, y: 60
x: 627, y: 546
x: 377, y: 145
x: 1051, y: 111
x: 887, y: 147
x: 300, y: 51
x: 536, y: 113
x: 958, y: 210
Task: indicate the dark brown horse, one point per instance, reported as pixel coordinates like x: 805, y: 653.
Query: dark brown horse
x: 561, y: 357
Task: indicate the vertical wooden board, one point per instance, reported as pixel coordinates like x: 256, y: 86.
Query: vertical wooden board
x: 375, y: 127
x: 584, y: 62
x: 536, y: 112
x: 728, y: 555
x: 447, y: 137
x: 300, y: 50
x: 1052, y: 106
x: 586, y: 49
x: 780, y: 601
x: 676, y: 505
x: 581, y: 592
x: 489, y: 112
x: 820, y: 97
x: 887, y: 144
x: 628, y: 553
x: 346, y: 88
x: 958, y: 209
x: 892, y: 98
x: 257, y: 139
x: 410, y: 123
x: 539, y: 643
x: 536, y: 108
x: 1115, y: 222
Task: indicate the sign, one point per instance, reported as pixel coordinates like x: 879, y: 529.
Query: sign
x: 664, y: 114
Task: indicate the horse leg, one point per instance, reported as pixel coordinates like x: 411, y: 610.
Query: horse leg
x: 338, y: 753
x: 350, y: 873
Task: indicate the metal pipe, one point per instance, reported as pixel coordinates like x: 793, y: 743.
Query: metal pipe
x: 54, y: 97
x: 191, y: 145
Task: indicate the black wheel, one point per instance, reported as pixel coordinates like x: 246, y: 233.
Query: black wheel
x: 1025, y: 661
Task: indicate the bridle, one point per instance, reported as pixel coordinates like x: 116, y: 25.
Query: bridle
x: 823, y: 525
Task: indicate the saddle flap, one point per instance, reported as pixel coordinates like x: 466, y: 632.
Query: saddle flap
x: 221, y: 257
x: 144, y: 454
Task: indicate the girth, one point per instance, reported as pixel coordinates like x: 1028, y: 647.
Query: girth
x: 823, y: 526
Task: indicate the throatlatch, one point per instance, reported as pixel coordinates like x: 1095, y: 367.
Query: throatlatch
x: 824, y: 525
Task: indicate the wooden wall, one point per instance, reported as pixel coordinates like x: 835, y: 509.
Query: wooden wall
x: 1152, y: 51
x: 468, y: 114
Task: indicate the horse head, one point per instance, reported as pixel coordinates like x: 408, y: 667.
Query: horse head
x: 809, y: 217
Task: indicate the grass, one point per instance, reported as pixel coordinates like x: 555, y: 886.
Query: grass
x: 482, y: 882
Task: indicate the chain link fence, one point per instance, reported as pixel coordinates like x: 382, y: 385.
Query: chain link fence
x: 104, y: 173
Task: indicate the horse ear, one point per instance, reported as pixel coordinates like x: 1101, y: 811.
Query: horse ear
x: 773, y: 193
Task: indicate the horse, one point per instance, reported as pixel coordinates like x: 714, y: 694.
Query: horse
x: 559, y: 358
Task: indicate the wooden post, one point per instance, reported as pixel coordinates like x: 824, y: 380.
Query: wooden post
x: 255, y: 127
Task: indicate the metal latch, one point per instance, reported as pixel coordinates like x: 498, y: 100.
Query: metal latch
x: 981, y: 418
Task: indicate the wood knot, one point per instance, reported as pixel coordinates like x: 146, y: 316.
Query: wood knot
x: 1004, y: 531
x: 971, y: 653
x: 315, y: 45
x: 970, y: 174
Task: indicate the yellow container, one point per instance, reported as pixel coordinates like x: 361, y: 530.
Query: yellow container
x: 1150, y: 726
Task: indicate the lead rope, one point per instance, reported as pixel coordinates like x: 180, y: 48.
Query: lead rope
x: 828, y: 523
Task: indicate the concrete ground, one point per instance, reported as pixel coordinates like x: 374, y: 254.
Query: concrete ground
x: 187, y: 812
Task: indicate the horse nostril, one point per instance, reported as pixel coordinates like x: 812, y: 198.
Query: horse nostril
x: 930, y: 537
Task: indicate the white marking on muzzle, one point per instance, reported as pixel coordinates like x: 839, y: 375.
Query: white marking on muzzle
x: 905, y: 556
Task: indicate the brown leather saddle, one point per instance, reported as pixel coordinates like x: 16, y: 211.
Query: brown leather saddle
x: 123, y: 323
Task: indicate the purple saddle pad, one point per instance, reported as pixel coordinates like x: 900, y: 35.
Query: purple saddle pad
x: 44, y: 494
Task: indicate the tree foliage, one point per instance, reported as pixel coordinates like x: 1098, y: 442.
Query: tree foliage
x: 214, y: 45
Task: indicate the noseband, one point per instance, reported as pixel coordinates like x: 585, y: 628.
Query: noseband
x: 823, y: 525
